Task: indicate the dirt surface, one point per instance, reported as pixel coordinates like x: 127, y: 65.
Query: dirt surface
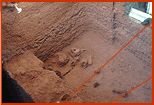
x: 71, y: 41
x: 42, y: 85
x: 60, y: 22
x: 123, y: 73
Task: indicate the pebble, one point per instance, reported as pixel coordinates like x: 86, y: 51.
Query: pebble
x: 50, y: 68
x: 96, y: 85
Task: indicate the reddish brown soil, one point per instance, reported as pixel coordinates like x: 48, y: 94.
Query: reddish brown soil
x: 101, y: 29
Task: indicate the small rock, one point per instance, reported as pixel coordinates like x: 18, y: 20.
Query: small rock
x: 73, y: 63
x: 104, y: 7
x: 84, y: 63
x: 96, y: 85
x: 90, y: 60
x: 58, y: 102
x: 75, y: 52
x: 77, y: 59
x: 66, y: 96
x: 97, y: 72
x: 121, y: 92
x: 50, y: 68
x: 82, y: 50
x: 63, y: 59
x: 125, y: 96
x: 118, y: 91
x: 58, y: 73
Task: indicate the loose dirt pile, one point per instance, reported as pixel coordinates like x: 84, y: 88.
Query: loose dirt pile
x: 74, y: 40
x: 42, y: 85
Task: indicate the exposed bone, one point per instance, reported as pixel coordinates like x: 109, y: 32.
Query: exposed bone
x: 90, y: 60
